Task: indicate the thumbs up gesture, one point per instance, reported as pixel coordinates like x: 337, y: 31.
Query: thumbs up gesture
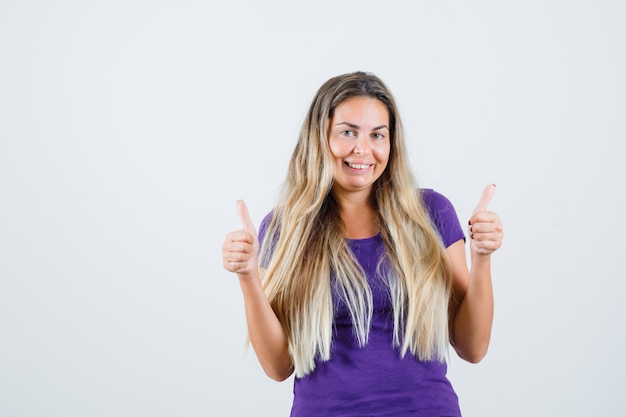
x: 485, y: 228
x: 240, y: 250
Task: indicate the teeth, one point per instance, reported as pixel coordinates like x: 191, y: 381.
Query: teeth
x: 358, y: 166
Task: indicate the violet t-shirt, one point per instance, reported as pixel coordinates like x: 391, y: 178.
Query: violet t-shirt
x: 375, y: 380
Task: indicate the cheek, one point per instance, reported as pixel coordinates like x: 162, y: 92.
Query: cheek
x: 382, y: 153
x: 336, y: 149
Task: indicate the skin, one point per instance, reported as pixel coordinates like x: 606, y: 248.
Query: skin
x: 471, y: 304
x: 240, y: 255
x: 358, y: 134
x: 360, y: 144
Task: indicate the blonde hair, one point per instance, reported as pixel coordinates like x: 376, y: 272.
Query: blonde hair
x: 304, y: 243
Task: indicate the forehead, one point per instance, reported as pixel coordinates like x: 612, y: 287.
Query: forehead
x: 362, y: 108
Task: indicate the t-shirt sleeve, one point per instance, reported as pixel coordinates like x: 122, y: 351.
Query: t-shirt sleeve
x: 263, y: 227
x: 262, y: 235
x: 444, y: 216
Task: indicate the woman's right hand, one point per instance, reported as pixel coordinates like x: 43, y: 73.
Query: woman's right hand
x: 240, y: 251
x: 240, y: 254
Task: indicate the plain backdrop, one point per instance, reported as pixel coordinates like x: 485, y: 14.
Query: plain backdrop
x: 128, y: 129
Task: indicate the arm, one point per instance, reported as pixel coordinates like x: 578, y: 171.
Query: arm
x: 266, y: 333
x: 471, y: 305
x: 240, y: 255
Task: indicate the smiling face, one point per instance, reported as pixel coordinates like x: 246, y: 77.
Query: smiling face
x: 360, y: 142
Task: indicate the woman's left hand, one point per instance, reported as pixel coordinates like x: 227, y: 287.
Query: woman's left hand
x: 485, y: 228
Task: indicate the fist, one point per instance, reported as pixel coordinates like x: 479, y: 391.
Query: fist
x: 485, y: 228
x: 241, y: 247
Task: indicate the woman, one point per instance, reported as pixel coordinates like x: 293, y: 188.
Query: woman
x: 362, y: 282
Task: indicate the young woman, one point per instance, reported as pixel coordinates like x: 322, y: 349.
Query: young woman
x: 358, y: 280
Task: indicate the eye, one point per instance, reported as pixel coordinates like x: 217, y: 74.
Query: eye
x: 348, y: 133
x: 378, y: 136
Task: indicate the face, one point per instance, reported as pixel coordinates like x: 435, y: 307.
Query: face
x: 359, y: 140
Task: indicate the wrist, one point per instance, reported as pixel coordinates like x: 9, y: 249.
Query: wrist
x: 481, y: 260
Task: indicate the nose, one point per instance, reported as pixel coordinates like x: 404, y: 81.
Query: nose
x: 362, y: 146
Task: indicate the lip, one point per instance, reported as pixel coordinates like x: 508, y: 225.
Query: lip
x: 358, y: 166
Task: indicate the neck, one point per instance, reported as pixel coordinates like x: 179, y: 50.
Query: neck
x: 358, y: 215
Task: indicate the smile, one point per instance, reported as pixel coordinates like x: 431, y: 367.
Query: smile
x: 359, y: 166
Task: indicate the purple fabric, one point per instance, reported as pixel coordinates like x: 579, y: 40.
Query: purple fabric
x: 374, y: 380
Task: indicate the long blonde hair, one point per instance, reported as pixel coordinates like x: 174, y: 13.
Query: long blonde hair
x: 304, y: 244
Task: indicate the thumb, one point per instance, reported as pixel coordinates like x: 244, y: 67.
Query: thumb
x: 242, y: 210
x: 485, y: 198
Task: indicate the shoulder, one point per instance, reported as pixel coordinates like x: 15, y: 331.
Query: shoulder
x: 264, y: 225
x: 443, y: 215
x: 435, y: 201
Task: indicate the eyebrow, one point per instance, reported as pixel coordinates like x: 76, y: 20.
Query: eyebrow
x: 353, y: 126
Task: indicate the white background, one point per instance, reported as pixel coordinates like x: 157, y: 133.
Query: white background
x: 129, y: 128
